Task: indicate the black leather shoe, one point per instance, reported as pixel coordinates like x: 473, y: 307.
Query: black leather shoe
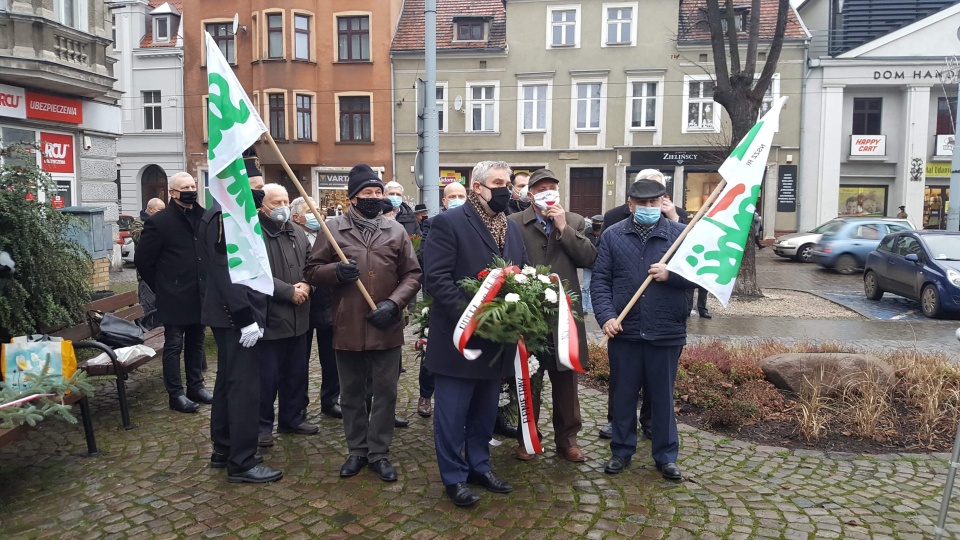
x: 461, y: 495
x: 384, y: 469
x: 352, y: 466
x: 503, y: 428
x: 219, y: 461
x: 670, y: 471
x: 491, y: 482
x: 616, y: 465
x: 183, y: 404
x: 333, y: 411
x: 400, y: 422
x: 606, y: 432
x: 705, y: 315
x: 647, y: 432
x: 302, y: 429
x: 200, y: 396
x: 258, y: 474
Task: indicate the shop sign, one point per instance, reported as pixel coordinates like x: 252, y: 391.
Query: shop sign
x: 62, y: 198
x: 13, y: 103
x: 944, y: 145
x: 675, y: 157
x: 863, y: 201
x: 57, y: 152
x: 940, y: 170
x: 868, y: 145
x: 55, y: 109
x: 332, y: 180
x: 787, y: 188
x: 449, y: 177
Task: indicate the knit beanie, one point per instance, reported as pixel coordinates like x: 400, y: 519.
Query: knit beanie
x: 362, y: 176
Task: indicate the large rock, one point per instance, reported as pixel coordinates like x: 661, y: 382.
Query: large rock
x: 833, y: 372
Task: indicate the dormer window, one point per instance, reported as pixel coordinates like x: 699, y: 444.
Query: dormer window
x: 740, y: 17
x: 166, y: 20
x: 470, y: 28
x: 161, y: 29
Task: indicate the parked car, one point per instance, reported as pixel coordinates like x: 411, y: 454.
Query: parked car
x: 846, y: 241
x: 124, y: 222
x: 920, y: 265
x: 127, y: 250
x: 799, y: 245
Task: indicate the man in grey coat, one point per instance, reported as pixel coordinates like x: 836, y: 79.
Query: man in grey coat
x: 552, y: 236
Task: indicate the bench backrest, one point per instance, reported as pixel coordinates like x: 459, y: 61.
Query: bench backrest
x: 125, y: 305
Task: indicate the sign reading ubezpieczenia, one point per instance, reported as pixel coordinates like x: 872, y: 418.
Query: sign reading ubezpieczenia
x: 234, y: 125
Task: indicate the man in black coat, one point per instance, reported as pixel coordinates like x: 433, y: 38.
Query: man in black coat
x: 168, y: 259
x: 464, y: 241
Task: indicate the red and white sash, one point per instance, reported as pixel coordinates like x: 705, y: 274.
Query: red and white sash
x: 568, y: 339
x: 528, y: 424
x: 468, y: 323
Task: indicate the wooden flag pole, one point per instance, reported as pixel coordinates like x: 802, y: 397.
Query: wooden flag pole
x: 666, y: 256
x: 313, y: 208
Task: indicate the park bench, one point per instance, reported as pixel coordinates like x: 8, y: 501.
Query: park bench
x: 10, y: 435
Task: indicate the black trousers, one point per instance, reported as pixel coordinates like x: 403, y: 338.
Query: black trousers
x: 463, y: 420
x: 189, y: 339
x: 236, y: 400
x: 701, y: 299
x: 284, y: 370
x: 329, y: 378
x: 427, y: 383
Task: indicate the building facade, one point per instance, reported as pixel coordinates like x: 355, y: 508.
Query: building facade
x: 587, y: 92
x: 56, y: 91
x: 318, y: 72
x: 879, y: 112
x: 148, y: 48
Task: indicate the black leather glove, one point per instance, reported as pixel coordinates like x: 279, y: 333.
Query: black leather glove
x: 384, y: 315
x: 347, y: 272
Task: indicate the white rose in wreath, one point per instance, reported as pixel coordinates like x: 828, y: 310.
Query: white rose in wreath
x: 511, y: 298
x: 533, y: 364
x: 543, y: 279
x: 529, y: 270
x: 426, y: 332
x: 425, y: 311
x: 520, y: 278
x: 550, y: 295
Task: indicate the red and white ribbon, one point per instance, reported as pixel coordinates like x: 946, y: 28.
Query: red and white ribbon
x: 568, y: 339
x: 468, y: 322
x: 528, y: 424
x: 25, y: 400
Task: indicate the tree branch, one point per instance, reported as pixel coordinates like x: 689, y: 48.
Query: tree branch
x: 717, y: 45
x: 773, y: 57
x: 752, y: 39
x: 734, y: 46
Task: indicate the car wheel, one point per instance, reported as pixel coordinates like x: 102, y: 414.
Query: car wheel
x: 846, y: 264
x: 805, y: 253
x: 870, y: 286
x: 930, y: 302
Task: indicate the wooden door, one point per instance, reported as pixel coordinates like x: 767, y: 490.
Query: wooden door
x: 586, y: 191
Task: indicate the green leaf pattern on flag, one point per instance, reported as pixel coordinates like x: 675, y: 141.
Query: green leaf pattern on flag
x: 222, y: 114
x: 729, y: 247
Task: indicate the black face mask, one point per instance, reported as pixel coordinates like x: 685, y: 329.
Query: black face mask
x: 499, y: 198
x: 258, y: 196
x: 597, y: 227
x: 369, y: 207
x: 188, y: 197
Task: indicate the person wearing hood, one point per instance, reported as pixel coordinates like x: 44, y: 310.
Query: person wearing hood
x: 518, y: 194
x: 285, y: 346
x: 402, y: 213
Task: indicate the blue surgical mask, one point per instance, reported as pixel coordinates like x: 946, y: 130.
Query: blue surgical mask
x: 646, y: 215
x: 312, y: 223
x: 454, y: 203
x: 395, y: 200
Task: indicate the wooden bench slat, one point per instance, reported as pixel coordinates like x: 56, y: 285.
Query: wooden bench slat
x: 114, y: 303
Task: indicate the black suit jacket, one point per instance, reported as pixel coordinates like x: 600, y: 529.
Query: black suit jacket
x: 168, y: 259
x: 461, y: 246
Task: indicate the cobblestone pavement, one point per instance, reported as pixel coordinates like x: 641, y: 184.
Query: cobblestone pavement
x: 153, y: 482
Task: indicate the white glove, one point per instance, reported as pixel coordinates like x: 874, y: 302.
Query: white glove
x: 250, y: 334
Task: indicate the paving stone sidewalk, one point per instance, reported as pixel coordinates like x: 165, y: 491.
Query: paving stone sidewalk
x: 153, y: 482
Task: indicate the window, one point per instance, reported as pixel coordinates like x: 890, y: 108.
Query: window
x: 304, y: 118
x: 278, y: 116
x: 224, y: 39
x: 161, y: 29
x: 152, y: 114
x: 702, y: 113
x: 354, y: 38
x: 301, y: 32
x: 534, y: 104
x: 113, y: 26
x: 588, y: 105
x: 740, y: 18
x: 66, y: 12
x: 355, y: 119
x: 643, y: 104
x: 908, y: 245
x: 274, y: 35
x: 946, y: 115
x: 470, y: 30
x: 620, y: 27
x: 441, y: 106
x: 483, y: 107
x: 562, y: 27
x: 771, y: 95
x: 866, y: 116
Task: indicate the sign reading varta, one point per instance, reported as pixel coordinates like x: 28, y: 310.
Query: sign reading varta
x: 16, y: 102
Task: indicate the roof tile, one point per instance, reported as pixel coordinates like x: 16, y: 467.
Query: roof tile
x: 410, y: 31
x: 147, y: 40
x: 693, y: 21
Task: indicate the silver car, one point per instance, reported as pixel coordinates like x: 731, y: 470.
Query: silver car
x: 799, y: 245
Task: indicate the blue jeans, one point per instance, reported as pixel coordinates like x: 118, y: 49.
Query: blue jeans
x: 585, y: 290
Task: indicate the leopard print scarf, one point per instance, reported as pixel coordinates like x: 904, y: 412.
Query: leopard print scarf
x: 497, y: 223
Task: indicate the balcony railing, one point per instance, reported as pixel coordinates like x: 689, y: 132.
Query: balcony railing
x: 70, y: 50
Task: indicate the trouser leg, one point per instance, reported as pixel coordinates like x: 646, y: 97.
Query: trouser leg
x: 701, y: 299
x: 193, y: 357
x: 329, y: 379
x: 292, y: 377
x: 585, y: 290
x: 660, y: 372
x: 453, y: 398
x: 354, y: 369
x: 626, y: 368
x: 385, y: 371
x: 567, y: 421
x: 172, y: 346
x: 481, y: 417
x: 426, y: 382
x: 270, y: 353
x: 236, y: 397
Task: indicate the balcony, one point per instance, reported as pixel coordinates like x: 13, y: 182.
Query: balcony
x: 46, y: 55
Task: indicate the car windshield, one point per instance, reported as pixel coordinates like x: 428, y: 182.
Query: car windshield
x: 820, y: 228
x: 943, y: 248
x: 125, y: 222
x: 830, y: 228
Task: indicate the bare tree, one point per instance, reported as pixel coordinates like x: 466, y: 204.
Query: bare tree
x: 740, y: 91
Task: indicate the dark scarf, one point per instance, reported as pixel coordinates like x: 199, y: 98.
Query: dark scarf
x: 367, y: 227
x: 643, y: 230
x: 497, y: 223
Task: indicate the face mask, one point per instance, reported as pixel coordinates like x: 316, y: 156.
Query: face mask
x: 280, y: 214
x: 369, y: 207
x: 499, y: 197
x: 312, y: 223
x: 454, y: 203
x: 188, y: 197
x: 546, y: 199
x: 597, y: 226
x: 395, y: 200
x: 258, y: 196
x: 646, y: 215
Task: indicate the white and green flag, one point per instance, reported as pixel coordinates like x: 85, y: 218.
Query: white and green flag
x: 232, y: 126
x: 710, y: 255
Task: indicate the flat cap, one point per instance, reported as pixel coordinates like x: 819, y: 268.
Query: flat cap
x: 542, y: 174
x: 597, y: 218
x: 646, y: 189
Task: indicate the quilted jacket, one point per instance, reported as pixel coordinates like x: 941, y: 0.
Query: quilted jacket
x: 621, y: 267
